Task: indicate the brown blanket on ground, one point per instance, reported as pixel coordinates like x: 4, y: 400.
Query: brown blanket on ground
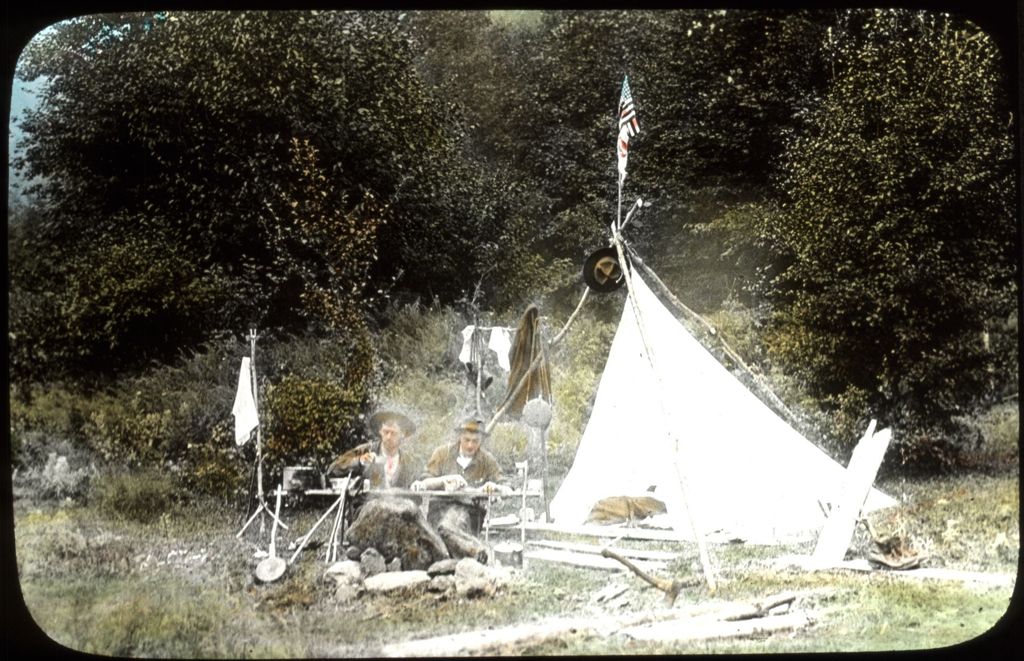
x: 624, y: 509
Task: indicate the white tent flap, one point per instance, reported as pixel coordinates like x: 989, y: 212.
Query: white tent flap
x: 750, y: 474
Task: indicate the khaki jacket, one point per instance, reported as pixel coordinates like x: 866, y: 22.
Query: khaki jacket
x: 483, y: 468
x: 408, y: 467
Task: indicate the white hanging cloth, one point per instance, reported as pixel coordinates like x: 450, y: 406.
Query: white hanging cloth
x: 500, y: 343
x: 244, y: 409
x: 466, y: 355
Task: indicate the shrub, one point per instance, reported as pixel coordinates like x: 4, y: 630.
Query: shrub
x: 158, y: 618
x: 58, y: 547
x: 55, y: 410
x: 216, y: 467
x: 50, y: 468
x: 419, y: 339
x: 308, y: 420
x: 120, y: 428
x: 58, y: 480
x: 136, y: 496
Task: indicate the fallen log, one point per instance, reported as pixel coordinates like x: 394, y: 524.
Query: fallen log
x: 761, y: 610
x: 490, y: 640
x: 590, y: 560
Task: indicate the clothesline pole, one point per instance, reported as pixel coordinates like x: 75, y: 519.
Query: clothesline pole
x: 259, y: 439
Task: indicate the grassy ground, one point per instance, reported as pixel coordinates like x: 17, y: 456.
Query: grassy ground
x: 182, y: 586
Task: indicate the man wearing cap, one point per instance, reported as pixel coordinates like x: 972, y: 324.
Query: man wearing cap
x: 463, y: 463
x: 459, y: 465
x: 382, y: 462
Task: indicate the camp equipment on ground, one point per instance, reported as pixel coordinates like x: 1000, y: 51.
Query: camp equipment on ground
x: 300, y: 478
x: 272, y: 567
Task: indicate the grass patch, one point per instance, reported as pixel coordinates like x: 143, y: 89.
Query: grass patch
x: 182, y: 585
x: 149, y: 617
x: 141, y: 496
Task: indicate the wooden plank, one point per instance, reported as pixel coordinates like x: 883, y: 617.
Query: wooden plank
x: 500, y: 640
x: 587, y: 560
x: 687, y: 630
x: 934, y: 573
x: 593, y: 548
x: 860, y: 475
x: 610, y: 531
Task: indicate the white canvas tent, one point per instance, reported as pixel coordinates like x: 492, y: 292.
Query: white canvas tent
x: 749, y: 473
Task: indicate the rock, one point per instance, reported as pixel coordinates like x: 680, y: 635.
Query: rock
x: 473, y: 579
x: 345, y: 571
x: 501, y: 576
x: 372, y: 562
x: 396, y: 580
x: 442, y: 583
x: 397, y: 528
x: 348, y: 591
x: 395, y: 564
x: 353, y: 553
x: 469, y: 568
x: 442, y: 567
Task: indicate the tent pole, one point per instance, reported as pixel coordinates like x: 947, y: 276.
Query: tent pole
x: 729, y: 351
x: 698, y: 532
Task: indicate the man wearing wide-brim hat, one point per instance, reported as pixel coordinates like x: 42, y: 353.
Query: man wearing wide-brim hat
x: 382, y: 462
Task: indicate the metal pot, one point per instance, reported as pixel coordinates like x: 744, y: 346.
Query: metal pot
x: 299, y: 478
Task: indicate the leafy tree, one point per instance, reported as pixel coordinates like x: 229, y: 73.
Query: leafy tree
x: 175, y: 136
x: 898, y: 231
x: 717, y: 94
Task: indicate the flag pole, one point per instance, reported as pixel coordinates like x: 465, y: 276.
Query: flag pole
x: 618, y: 214
x: 627, y: 114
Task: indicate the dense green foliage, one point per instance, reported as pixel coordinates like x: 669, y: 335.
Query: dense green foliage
x: 842, y: 182
x: 897, y: 230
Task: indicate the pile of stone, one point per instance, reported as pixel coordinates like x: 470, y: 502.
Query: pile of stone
x: 466, y: 577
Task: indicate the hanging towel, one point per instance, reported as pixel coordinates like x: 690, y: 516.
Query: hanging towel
x: 466, y: 355
x: 500, y: 343
x: 528, y: 344
x: 244, y: 409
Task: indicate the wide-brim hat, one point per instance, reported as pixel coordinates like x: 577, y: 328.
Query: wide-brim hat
x: 474, y: 425
x: 602, y: 271
x: 381, y: 417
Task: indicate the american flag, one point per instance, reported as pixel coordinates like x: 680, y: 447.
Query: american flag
x: 628, y: 125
